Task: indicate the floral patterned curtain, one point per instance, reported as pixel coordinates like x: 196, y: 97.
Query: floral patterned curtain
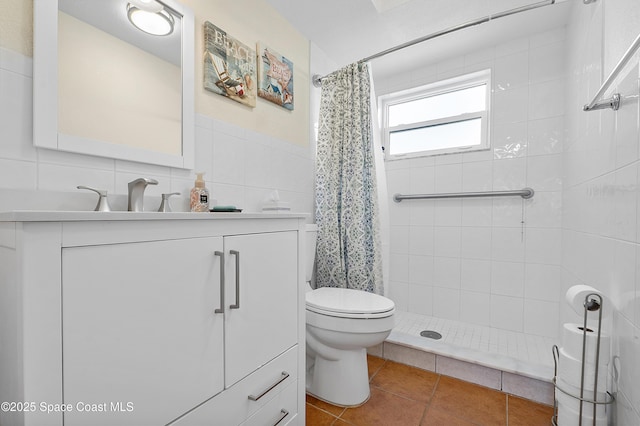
x: 348, y: 251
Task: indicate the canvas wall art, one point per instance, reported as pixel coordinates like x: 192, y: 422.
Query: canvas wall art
x: 229, y: 66
x: 275, y: 77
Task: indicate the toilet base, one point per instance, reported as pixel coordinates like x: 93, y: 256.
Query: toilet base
x: 344, y: 382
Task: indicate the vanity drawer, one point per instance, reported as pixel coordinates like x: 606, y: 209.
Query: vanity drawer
x: 242, y: 400
x: 280, y: 410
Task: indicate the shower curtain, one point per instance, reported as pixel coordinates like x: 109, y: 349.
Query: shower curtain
x: 348, y: 253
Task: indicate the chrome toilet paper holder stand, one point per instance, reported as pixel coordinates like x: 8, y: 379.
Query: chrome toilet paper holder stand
x: 591, y: 304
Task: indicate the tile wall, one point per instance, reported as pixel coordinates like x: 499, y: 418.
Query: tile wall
x: 488, y: 261
x: 242, y: 166
x: 601, y: 198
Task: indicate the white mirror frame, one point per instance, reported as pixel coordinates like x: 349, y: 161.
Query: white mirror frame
x: 45, y: 95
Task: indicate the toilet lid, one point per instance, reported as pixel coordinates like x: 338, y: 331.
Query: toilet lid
x: 348, y: 303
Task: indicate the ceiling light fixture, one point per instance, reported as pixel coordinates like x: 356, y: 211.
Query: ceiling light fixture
x: 150, y: 17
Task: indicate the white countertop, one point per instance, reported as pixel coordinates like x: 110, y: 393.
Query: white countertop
x: 76, y: 216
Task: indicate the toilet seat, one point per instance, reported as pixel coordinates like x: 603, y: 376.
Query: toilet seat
x: 348, y: 303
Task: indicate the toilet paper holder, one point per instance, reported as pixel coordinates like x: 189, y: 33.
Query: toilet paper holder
x: 591, y: 304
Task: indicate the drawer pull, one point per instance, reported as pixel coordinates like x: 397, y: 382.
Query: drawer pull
x: 220, y: 310
x: 237, y: 255
x: 285, y: 413
x: 284, y: 377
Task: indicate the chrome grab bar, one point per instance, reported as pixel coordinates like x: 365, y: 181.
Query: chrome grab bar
x: 525, y: 193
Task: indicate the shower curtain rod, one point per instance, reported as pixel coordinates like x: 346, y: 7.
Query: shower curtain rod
x: 317, y: 79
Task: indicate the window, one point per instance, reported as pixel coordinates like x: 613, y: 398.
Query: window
x: 440, y: 118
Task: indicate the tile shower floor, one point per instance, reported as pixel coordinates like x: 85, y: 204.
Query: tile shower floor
x: 504, y: 350
x: 407, y: 396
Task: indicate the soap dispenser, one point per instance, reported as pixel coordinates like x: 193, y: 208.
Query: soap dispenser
x: 199, y: 195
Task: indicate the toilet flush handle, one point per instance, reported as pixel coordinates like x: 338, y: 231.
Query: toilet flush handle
x: 237, y: 255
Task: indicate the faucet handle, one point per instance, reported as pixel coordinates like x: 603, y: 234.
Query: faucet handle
x: 164, y: 205
x: 103, y: 201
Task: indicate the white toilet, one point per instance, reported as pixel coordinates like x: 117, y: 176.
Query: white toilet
x: 341, y: 324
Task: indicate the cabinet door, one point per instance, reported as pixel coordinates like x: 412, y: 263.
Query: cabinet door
x: 142, y: 343
x: 266, y: 322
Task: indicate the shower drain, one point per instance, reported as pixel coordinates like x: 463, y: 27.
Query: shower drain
x: 431, y: 334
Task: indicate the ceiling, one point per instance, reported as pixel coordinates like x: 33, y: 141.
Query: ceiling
x: 350, y: 30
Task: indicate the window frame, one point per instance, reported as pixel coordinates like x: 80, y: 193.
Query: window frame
x: 441, y: 87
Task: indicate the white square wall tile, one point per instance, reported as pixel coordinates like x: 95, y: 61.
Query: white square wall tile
x: 546, y: 99
x: 626, y: 135
x: 421, y: 270
x: 399, y: 267
x: 477, y: 176
x: 446, y: 303
x: 625, y: 203
x: 473, y: 308
x: 399, y: 239
x: 507, y: 312
x: 546, y: 136
x: 510, y: 106
x: 446, y: 272
x: 508, y: 211
x: 544, y: 210
x: 512, y: 46
x: 541, y: 318
x: 544, y: 245
x: 543, y: 282
x: 421, y: 240
x: 623, y: 277
x: 509, y: 140
x: 420, y: 299
x: 447, y: 212
x: 448, y: 178
x: 507, y: 278
x: 476, y: 275
x: 228, y: 159
x: 476, y: 242
x: 477, y: 212
x: 447, y: 241
x: 544, y: 172
x: 507, y: 244
x: 509, y: 174
x: 511, y: 71
x: 421, y: 180
x: 547, y: 62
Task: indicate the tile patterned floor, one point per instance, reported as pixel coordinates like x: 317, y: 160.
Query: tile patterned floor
x: 406, y: 396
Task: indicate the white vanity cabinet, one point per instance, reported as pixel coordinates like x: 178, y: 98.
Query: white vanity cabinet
x: 151, y: 319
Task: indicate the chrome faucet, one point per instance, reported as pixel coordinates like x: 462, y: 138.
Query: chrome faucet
x: 136, y: 193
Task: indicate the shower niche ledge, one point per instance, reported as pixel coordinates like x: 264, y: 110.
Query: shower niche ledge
x: 151, y: 320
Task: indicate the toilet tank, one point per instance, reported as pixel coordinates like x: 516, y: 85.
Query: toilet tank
x: 310, y: 249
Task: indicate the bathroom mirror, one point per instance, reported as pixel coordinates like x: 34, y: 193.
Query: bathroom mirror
x: 104, y: 87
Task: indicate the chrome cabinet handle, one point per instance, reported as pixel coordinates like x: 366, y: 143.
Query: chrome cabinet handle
x: 237, y: 255
x: 220, y: 310
x: 284, y: 377
x: 285, y: 413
